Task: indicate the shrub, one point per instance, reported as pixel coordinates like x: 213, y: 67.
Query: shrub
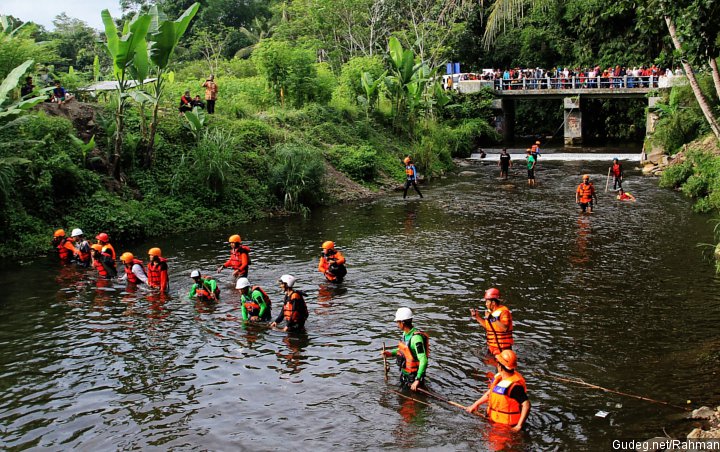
x: 358, y: 162
x: 349, y: 86
x: 296, y: 175
x: 676, y: 175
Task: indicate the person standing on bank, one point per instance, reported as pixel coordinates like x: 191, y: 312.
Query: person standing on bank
x: 507, y: 398
x: 211, y: 90
x: 412, y: 351
x: 497, y: 321
x: 411, y: 177
x: 505, y: 164
x: 617, y: 172
x: 530, y: 167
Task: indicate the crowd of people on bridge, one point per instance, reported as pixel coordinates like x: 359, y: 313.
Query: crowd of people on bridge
x: 565, y: 77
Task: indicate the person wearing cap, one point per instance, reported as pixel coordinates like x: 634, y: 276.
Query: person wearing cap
x: 239, y: 258
x: 134, y: 270
x: 530, y: 167
x: 104, y: 240
x: 332, y: 262
x: 204, y: 289
x: 63, y: 245
x: 211, y: 90
x: 82, y: 248
x: 103, y: 262
x: 410, y: 177
x: 412, y: 351
x: 295, y: 311
x: 497, y: 321
x: 255, y: 303
x: 157, y: 271
x: 585, y: 194
x: 507, y: 398
x: 617, y: 172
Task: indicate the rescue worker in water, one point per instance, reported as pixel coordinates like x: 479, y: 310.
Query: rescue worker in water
x: 507, y: 398
x: 157, y: 271
x: 332, y: 262
x: 295, y: 311
x: 254, y: 302
x: 103, y: 262
x: 64, y: 245
x: 204, y: 289
x: 412, y: 351
x: 497, y: 321
x: 134, y: 269
x: 585, y: 194
x: 239, y: 258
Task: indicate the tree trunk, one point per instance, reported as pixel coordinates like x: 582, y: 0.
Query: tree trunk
x: 716, y: 74
x: 151, y: 140
x: 117, y: 152
x: 699, y: 96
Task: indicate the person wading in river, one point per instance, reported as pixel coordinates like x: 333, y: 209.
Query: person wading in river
x: 239, y: 258
x: 254, y: 302
x: 332, y: 262
x: 530, y: 167
x: 64, y: 245
x: 505, y: 164
x: 412, y: 352
x: 295, y: 311
x: 158, y: 271
x: 411, y: 177
x: 497, y: 321
x: 104, y: 241
x: 134, y: 270
x: 617, y: 172
x: 585, y: 194
x: 204, y: 289
x: 507, y: 398
x: 82, y: 248
x: 103, y: 262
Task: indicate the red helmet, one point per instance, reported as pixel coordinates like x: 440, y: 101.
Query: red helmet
x: 103, y: 237
x: 492, y: 294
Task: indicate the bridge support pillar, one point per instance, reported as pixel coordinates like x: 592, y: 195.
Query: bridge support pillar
x: 573, y: 121
x: 505, y: 118
x: 652, y: 116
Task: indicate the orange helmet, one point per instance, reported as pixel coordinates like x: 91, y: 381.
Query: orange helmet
x: 507, y: 358
x: 492, y: 294
x: 127, y: 257
x: 234, y: 239
x: 97, y: 247
x: 407, y: 160
x: 586, y: 176
x: 103, y: 237
x: 329, y: 245
x: 154, y: 252
x: 59, y: 233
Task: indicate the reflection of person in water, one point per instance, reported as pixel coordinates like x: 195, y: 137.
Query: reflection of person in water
x: 294, y: 360
x: 325, y: 295
x: 580, y: 255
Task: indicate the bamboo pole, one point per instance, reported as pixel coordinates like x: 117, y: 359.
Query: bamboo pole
x: 607, y: 181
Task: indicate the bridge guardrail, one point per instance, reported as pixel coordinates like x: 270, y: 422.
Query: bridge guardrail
x: 577, y: 82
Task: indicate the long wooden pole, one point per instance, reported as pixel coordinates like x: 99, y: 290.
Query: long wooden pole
x: 385, y: 363
x: 408, y: 397
x: 442, y: 399
x: 607, y: 181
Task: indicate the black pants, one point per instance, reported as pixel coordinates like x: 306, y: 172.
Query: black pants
x: 407, y: 185
x: 617, y: 182
x: 210, y: 106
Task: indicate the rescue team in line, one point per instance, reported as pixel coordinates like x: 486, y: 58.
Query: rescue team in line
x: 507, y: 399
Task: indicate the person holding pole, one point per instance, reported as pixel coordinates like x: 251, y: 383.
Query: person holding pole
x: 497, y: 321
x: 412, y: 351
x: 617, y: 173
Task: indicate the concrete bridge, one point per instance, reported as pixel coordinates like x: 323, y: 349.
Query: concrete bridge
x: 571, y: 91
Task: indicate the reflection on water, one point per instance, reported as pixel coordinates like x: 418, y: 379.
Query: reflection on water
x: 95, y: 365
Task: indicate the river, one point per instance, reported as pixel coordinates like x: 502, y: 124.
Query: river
x: 623, y: 298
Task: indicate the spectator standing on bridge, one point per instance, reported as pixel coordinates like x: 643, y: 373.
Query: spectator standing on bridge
x: 530, y: 167
x: 617, y: 172
x: 505, y: 163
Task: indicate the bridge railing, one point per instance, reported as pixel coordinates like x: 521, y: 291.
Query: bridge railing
x: 577, y: 82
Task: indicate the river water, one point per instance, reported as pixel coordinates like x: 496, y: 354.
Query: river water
x: 623, y: 298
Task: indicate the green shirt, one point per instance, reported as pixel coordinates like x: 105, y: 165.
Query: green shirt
x: 530, y: 161
x: 258, y: 298
x: 419, y: 352
x: 210, y: 286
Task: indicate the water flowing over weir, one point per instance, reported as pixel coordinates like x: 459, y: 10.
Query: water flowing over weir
x: 622, y: 298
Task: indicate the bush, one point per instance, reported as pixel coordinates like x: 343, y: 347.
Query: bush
x: 349, y: 86
x: 358, y: 162
x: 676, y: 175
x: 296, y: 175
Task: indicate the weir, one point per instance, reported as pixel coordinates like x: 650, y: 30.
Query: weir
x: 492, y: 155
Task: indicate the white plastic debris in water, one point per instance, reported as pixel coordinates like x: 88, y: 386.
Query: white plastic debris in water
x: 602, y: 414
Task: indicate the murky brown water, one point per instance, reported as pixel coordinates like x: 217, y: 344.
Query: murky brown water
x: 622, y: 299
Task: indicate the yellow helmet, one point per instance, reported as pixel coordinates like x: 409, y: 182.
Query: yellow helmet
x: 329, y: 245
x: 234, y: 239
x: 127, y: 257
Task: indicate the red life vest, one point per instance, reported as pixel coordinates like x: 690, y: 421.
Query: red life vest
x: 65, y: 250
x: 294, y: 309
x: 102, y: 271
x: 157, y: 274
x: 499, y: 340
x: 501, y: 407
x: 239, y: 259
x: 202, y: 293
x: 411, y: 363
x: 586, y: 192
x: 616, y: 168
x: 132, y: 277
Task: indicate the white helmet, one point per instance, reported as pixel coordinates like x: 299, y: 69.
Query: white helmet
x: 242, y: 283
x: 289, y: 280
x: 195, y: 274
x: 403, y: 314
x: 76, y: 232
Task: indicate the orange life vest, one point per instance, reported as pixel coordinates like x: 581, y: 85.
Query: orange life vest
x: 409, y: 171
x: 295, y: 309
x: 501, y: 407
x: 203, y: 294
x: 586, y: 192
x: 157, y: 274
x: 411, y: 363
x: 499, y: 340
x: 108, y: 246
x: 132, y: 277
x: 84, y: 256
x: 239, y: 259
x: 254, y: 308
x: 65, y: 249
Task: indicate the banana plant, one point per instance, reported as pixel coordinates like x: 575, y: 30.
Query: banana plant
x: 370, y: 86
x: 84, y: 147
x: 8, y: 108
x: 163, y: 37
x: 196, y: 121
x: 129, y: 55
